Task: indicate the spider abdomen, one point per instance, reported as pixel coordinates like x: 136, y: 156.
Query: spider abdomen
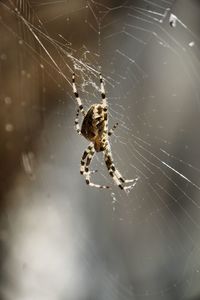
x: 93, y: 126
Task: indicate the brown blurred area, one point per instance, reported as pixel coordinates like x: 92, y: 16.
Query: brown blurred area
x: 21, y: 95
x: 28, y: 92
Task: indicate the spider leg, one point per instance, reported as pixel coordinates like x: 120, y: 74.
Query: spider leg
x: 104, y: 103
x: 77, y: 126
x: 84, y: 168
x: 103, y: 95
x: 84, y: 156
x: 110, y: 132
x: 114, y: 173
x: 80, y: 105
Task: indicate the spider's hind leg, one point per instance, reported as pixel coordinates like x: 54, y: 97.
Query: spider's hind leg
x: 84, y: 168
x: 115, y: 174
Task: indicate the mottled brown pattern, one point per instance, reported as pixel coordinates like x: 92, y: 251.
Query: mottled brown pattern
x: 94, y: 127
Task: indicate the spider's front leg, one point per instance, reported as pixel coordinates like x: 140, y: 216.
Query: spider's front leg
x: 84, y: 168
x: 77, y: 126
x: 103, y: 94
x: 80, y: 105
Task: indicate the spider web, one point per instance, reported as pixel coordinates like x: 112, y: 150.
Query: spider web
x: 138, y: 245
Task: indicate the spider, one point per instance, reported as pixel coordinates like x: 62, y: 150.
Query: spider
x: 95, y: 129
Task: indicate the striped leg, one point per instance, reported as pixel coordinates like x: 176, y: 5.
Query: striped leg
x: 115, y: 174
x: 80, y: 105
x: 103, y: 95
x: 77, y: 126
x: 110, y: 132
x: 84, y: 168
x: 104, y: 103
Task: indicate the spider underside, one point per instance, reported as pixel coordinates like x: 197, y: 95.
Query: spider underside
x: 95, y: 129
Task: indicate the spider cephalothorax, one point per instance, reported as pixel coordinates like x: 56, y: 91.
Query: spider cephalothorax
x: 95, y: 129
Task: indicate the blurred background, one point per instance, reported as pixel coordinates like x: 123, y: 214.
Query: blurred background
x: 60, y: 239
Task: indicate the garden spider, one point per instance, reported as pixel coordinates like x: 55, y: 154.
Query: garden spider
x: 95, y: 129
